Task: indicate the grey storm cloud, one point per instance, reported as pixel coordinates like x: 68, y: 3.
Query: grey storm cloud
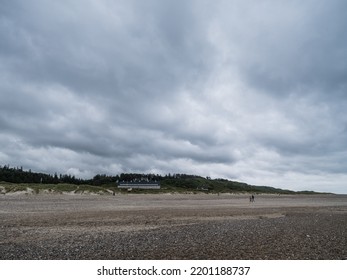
x: 254, y: 91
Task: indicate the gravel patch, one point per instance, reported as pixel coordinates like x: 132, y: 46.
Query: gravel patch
x: 173, y: 227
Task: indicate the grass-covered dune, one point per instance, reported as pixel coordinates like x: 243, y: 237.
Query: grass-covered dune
x: 33, y: 188
x: 201, y: 184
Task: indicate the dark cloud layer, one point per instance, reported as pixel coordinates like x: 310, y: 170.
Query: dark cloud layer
x: 251, y: 91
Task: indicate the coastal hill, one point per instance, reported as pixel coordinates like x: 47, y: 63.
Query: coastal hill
x: 19, y: 180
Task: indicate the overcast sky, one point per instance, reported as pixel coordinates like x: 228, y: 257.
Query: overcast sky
x: 253, y: 91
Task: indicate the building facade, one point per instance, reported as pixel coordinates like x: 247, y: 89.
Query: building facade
x: 139, y: 185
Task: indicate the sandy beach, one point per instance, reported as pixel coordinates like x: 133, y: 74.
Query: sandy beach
x: 173, y: 226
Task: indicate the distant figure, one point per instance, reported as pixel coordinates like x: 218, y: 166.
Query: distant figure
x: 252, y: 198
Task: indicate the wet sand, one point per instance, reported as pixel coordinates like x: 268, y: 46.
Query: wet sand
x: 173, y: 226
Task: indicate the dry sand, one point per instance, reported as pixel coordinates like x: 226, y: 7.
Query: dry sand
x: 173, y: 226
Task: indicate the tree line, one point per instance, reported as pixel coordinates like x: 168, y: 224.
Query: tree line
x: 18, y: 175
